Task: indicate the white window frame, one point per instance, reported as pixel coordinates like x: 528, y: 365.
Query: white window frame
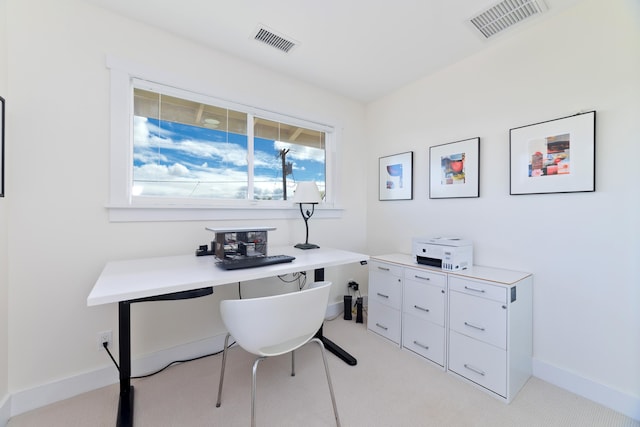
x: 123, y: 206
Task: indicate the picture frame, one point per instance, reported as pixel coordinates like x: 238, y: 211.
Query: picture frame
x: 2, y: 104
x: 396, y: 177
x: 555, y: 156
x: 454, y: 169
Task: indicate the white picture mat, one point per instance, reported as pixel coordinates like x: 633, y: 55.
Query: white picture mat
x: 471, y: 188
x: 581, y: 129
x: 389, y: 186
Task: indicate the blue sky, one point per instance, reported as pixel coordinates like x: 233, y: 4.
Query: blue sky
x: 201, y: 162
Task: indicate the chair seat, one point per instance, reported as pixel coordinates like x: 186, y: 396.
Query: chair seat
x: 275, y: 325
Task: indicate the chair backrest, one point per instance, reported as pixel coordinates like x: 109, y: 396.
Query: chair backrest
x: 273, y: 325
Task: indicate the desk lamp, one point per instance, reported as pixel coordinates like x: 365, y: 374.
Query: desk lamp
x: 307, y: 193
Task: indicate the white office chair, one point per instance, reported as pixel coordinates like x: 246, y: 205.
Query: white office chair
x: 275, y: 325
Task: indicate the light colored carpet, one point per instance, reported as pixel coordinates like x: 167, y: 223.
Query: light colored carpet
x: 388, y: 387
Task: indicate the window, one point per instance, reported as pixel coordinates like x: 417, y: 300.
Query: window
x: 185, y: 148
x: 174, y: 147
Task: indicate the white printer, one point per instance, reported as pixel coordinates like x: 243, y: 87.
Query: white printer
x: 448, y: 253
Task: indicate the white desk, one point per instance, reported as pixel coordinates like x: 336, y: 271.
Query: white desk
x: 189, y: 276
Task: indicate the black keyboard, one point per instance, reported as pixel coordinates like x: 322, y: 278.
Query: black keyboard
x: 258, y: 261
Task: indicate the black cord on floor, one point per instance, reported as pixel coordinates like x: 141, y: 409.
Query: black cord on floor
x: 104, y: 344
x: 179, y: 361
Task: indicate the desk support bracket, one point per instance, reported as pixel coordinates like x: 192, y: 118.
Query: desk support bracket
x: 125, y: 406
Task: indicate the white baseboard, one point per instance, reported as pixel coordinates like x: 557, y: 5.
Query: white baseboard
x: 46, y: 394
x: 27, y: 400
x: 43, y: 395
x: 5, y: 410
x: 614, y: 399
x: 334, y: 310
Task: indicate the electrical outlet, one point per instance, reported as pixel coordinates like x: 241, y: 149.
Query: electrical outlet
x: 105, y: 336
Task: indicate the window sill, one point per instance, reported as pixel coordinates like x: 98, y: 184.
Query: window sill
x: 205, y: 213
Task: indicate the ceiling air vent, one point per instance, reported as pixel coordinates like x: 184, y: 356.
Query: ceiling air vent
x: 280, y: 42
x: 505, y: 14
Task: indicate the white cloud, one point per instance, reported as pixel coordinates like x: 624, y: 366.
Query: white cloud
x: 150, y: 140
x: 178, y: 170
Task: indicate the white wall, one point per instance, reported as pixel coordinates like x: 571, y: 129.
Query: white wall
x: 4, y: 285
x: 60, y: 234
x: 583, y: 248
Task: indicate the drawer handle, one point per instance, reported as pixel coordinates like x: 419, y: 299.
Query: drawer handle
x: 382, y: 295
x: 423, y: 278
x: 476, y: 370
x: 382, y: 327
x: 426, y: 347
x: 384, y: 268
x: 482, y: 291
x: 471, y: 325
x: 421, y: 308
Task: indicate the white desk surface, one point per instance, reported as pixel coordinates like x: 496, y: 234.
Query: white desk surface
x: 140, y: 278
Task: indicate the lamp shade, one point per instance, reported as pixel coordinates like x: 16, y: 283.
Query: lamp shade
x: 307, y: 192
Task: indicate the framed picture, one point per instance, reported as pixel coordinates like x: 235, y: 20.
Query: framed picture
x: 1, y: 146
x: 556, y: 156
x: 396, y: 177
x: 454, y: 169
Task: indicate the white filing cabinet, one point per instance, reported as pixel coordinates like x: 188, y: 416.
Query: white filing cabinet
x: 475, y: 323
x: 385, y: 300
x: 490, y: 333
x: 423, y: 313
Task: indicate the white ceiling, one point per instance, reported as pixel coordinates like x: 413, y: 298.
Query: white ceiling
x: 362, y: 49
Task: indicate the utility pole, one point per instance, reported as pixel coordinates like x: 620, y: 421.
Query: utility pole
x: 286, y: 170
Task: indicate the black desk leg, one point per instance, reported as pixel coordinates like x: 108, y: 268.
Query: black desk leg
x: 125, y: 406
x: 318, y: 276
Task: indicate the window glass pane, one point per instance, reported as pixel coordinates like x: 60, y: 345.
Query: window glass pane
x: 183, y: 148
x: 284, y: 155
x: 192, y: 149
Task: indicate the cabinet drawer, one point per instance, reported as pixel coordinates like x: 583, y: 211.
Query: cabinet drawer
x: 382, y: 267
x: 425, y: 276
x: 423, y: 337
x: 479, y: 289
x: 385, y: 289
x: 424, y: 300
x: 480, y: 318
x: 384, y: 320
x: 481, y: 363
